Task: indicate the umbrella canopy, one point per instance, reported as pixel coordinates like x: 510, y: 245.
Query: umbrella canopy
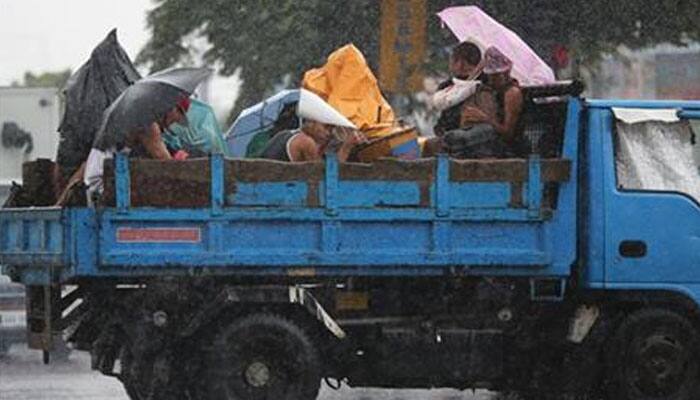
x: 186, y: 79
x: 88, y: 92
x: 145, y: 102
x: 256, y: 120
x: 470, y: 23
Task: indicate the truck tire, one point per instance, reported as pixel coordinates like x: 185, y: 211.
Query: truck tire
x: 653, y: 355
x: 135, y: 375
x: 4, y: 348
x: 262, y: 356
x: 142, y: 378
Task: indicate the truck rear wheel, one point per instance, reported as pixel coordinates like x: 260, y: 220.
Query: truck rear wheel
x: 262, y: 356
x: 654, y: 356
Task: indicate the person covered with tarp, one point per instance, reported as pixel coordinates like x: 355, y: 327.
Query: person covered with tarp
x: 88, y: 92
x: 199, y: 135
x: 323, y: 130
x: 135, y: 121
x: 347, y: 83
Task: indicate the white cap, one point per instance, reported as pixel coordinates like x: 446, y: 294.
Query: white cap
x: 312, y: 107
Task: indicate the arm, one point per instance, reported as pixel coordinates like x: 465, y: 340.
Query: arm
x: 344, y: 151
x: 513, y: 105
x: 153, y: 143
x: 303, y: 148
x: 352, y: 138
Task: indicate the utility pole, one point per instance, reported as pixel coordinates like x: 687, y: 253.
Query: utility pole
x: 402, y: 45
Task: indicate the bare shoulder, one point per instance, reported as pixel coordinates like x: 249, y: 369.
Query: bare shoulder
x: 302, y: 147
x: 514, y: 93
x: 514, y: 97
x: 302, y: 139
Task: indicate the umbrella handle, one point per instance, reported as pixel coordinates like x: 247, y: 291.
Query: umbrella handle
x: 477, y: 70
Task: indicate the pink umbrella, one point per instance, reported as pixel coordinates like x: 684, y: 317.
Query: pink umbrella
x: 472, y: 24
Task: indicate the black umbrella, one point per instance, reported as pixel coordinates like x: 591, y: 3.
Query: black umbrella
x: 145, y: 102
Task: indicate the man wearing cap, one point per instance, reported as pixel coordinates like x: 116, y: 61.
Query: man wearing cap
x: 492, y: 134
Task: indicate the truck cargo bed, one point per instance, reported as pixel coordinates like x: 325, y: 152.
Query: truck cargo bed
x: 256, y: 217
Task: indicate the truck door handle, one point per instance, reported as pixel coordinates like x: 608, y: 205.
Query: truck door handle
x: 633, y: 248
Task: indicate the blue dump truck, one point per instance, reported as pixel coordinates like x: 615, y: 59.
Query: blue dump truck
x: 573, y: 270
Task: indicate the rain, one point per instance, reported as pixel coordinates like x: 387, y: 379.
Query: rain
x: 369, y: 199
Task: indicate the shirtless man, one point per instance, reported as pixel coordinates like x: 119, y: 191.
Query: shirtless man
x: 491, y: 127
x: 496, y: 134
x: 309, y: 143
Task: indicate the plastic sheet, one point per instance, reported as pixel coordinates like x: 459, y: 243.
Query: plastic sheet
x: 658, y: 156
x: 88, y: 92
x: 347, y: 83
x: 201, y: 134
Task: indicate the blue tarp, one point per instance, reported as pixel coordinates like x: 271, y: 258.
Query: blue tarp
x: 201, y: 133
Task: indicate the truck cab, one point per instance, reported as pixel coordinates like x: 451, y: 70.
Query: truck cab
x: 644, y: 170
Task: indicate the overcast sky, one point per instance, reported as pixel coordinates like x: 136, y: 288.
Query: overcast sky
x: 52, y: 35
x: 49, y: 35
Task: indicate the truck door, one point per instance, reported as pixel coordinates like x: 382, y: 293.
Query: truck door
x: 652, y: 196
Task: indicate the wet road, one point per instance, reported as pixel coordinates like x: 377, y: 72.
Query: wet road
x: 24, y: 377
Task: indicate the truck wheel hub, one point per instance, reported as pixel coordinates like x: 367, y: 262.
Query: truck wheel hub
x: 662, y: 366
x: 257, y: 374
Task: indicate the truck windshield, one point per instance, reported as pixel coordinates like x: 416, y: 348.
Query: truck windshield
x: 659, y: 156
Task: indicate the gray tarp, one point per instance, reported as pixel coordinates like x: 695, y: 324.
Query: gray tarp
x: 656, y: 155
x: 88, y: 92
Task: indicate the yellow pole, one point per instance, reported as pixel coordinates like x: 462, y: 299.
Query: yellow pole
x: 402, y: 45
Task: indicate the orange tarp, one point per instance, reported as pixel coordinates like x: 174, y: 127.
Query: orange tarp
x: 347, y: 84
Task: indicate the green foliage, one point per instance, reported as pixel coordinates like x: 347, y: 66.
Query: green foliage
x: 272, y: 42
x: 45, y: 79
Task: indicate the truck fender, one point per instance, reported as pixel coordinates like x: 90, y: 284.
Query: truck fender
x: 265, y: 295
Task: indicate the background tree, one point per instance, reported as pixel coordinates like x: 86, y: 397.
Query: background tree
x: 45, y: 79
x: 272, y: 42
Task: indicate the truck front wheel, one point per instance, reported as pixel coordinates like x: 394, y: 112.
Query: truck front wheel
x: 653, y: 355
x: 262, y: 356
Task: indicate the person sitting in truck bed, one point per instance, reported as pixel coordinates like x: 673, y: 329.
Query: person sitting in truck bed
x: 310, y: 142
x: 496, y: 131
x: 465, y: 66
x: 466, y: 69
x: 139, y: 143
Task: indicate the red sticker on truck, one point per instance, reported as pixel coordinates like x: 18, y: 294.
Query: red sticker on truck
x: 159, y: 235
